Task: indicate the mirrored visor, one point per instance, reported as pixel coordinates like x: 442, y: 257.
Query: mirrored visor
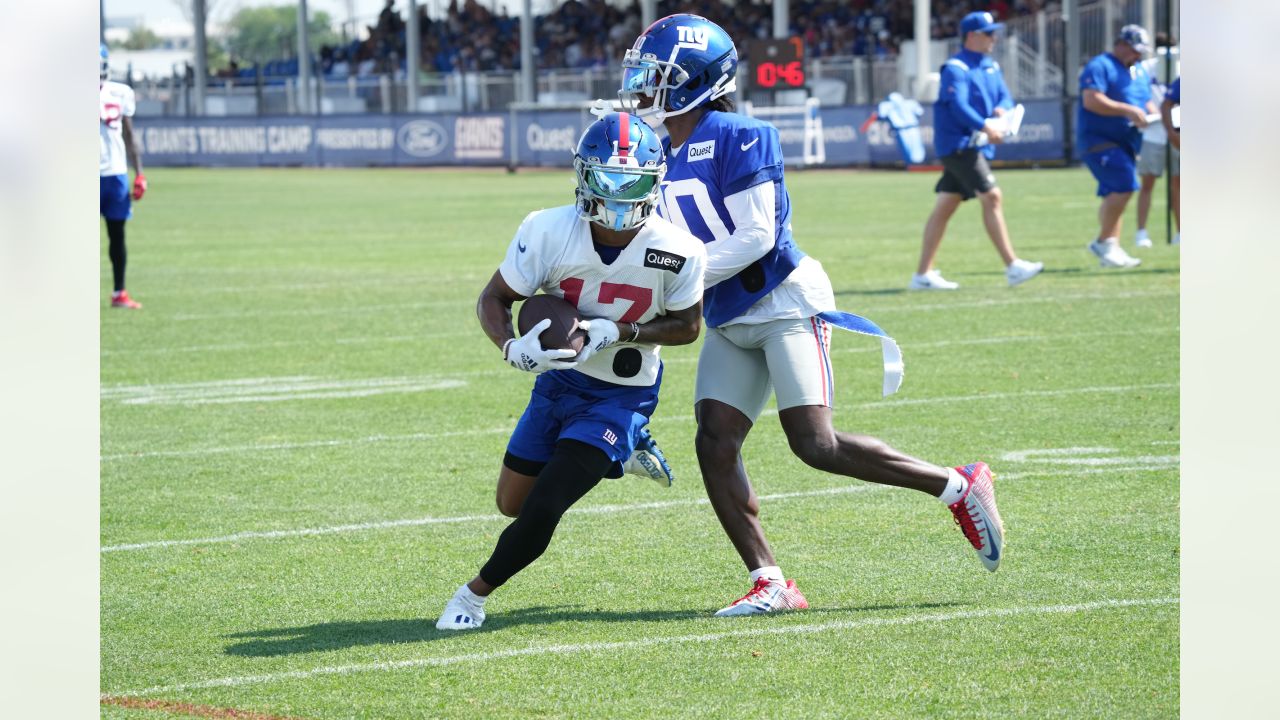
x: 616, y: 184
x: 642, y: 78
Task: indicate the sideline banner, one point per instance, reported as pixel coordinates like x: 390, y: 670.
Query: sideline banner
x: 540, y: 137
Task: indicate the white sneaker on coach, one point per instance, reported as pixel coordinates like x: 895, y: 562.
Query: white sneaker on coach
x: 460, y: 614
x: 1020, y: 271
x: 1111, y: 255
x: 931, y: 280
x: 1142, y: 239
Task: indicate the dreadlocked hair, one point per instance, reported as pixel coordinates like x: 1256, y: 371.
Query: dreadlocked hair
x: 724, y: 103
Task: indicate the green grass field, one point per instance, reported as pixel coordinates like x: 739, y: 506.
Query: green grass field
x: 302, y: 428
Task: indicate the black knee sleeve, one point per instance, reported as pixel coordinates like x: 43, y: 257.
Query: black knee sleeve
x: 571, y: 472
x: 117, y: 253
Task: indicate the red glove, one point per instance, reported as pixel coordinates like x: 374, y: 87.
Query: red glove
x: 139, y: 186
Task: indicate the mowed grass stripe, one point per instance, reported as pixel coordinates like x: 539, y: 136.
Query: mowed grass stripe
x: 660, y: 420
x: 1146, y: 463
x: 435, y: 337
x: 596, y: 647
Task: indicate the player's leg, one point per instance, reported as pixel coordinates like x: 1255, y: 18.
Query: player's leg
x: 798, y: 355
x: 732, y: 389
x: 114, y: 205
x: 514, y: 484
x: 952, y: 189
x: 573, y: 470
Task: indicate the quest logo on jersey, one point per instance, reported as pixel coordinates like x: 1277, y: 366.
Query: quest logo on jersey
x: 702, y: 151
x: 663, y: 260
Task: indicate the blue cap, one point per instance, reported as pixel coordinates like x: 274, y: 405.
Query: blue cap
x: 1136, y: 37
x: 979, y: 22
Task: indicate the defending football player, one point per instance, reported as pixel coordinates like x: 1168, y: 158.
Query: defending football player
x: 639, y: 280
x: 118, y: 151
x: 769, y: 308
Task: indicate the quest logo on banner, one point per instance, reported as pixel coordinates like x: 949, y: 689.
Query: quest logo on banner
x: 479, y: 137
x: 421, y: 138
x: 551, y: 139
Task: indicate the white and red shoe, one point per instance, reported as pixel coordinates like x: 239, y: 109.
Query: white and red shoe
x: 977, y: 515
x: 122, y: 300
x: 767, y: 596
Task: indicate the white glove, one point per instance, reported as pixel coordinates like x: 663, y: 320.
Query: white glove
x: 601, y: 333
x: 526, y: 353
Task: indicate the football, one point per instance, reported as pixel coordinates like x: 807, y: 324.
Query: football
x: 564, y: 333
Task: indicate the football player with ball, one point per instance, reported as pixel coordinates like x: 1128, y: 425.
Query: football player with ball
x: 638, y: 279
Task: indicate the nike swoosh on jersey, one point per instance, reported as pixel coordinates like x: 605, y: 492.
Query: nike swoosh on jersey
x: 521, y: 247
x: 747, y: 146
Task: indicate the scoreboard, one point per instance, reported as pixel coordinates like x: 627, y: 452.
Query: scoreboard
x: 776, y: 64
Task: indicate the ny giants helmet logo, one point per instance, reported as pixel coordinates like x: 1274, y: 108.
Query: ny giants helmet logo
x: 692, y: 37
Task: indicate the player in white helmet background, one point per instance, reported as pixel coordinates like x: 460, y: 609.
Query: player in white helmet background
x: 639, y: 280
x: 769, y: 308
x: 118, y: 151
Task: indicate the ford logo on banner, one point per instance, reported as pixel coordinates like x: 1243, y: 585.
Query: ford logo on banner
x: 421, y: 138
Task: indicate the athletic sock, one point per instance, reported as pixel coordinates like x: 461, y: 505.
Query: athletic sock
x: 465, y: 593
x: 773, y: 573
x: 956, y: 486
x: 1142, y: 234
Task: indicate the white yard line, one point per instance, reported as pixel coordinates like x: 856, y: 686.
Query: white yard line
x: 271, y: 389
x: 592, y: 510
x: 602, y: 647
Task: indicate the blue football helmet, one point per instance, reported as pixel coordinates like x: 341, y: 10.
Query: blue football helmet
x: 102, y: 55
x: 619, y: 165
x: 681, y: 62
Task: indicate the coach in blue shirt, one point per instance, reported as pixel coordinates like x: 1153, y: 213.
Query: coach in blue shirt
x: 1115, y: 101
x: 971, y: 95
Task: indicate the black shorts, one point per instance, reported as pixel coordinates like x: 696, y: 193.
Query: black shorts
x: 966, y: 173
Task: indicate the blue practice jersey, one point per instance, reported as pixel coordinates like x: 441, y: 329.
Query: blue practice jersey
x: 1132, y: 85
x: 971, y: 88
x: 726, y: 154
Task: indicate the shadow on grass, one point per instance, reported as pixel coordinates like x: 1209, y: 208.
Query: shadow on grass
x: 339, y: 635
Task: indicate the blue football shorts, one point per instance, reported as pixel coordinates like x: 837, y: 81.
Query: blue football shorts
x: 1116, y: 170
x: 567, y: 404
x: 113, y: 197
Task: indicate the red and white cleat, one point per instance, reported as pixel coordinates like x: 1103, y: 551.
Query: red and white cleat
x: 977, y: 515
x: 122, y: 300
x: 767, y: 596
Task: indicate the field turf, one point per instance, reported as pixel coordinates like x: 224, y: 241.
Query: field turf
x: 302, y: 428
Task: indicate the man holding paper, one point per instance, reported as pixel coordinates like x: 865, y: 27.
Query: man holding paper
x: 1115, y: 105
x: 974, y: 112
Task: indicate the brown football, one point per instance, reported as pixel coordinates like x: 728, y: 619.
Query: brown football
x: 564, y: 333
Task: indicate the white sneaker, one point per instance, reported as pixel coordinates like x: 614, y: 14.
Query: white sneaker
x: 460, y: 614
x: 1020, y: 271
x: 1111, y: 255
x: 1142, y: 239
x: 931, y: 280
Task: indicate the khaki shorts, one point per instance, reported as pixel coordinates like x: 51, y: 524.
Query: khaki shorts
x: 1151, y: 161
x: 740, y: 365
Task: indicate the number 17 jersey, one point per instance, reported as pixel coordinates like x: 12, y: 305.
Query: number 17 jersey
x: 660, y: 270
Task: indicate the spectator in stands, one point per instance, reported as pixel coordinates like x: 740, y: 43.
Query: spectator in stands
x: 1115, y: 100
x: 1151, y: 160
x: 971, y: 99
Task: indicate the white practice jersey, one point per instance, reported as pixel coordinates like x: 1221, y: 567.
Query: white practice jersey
x: 661, y: 270
x: 116, y: 103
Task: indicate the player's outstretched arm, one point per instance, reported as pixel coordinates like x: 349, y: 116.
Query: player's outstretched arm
x: 494, y: 309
